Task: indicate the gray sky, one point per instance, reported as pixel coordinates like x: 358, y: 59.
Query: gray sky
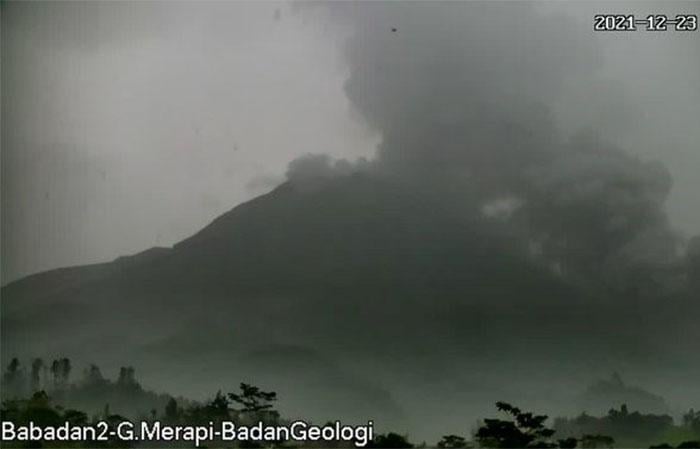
x: 129, y: 125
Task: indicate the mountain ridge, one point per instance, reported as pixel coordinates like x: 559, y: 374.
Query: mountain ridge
x: 398, y: 286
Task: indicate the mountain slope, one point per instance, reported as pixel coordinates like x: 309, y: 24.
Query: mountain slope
x: 382, y: 283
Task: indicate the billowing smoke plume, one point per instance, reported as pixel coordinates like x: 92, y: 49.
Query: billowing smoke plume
x: 461, y: 93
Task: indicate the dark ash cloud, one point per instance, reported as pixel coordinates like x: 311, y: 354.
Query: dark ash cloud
x: 462, y: 95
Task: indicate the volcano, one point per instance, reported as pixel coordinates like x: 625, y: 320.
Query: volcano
x: 353, y: 296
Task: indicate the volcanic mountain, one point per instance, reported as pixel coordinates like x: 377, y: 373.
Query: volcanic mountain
x: 352, y: 295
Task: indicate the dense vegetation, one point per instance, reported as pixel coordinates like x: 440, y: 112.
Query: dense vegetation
x: 47, y: 397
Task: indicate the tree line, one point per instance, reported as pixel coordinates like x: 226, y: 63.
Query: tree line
x: 46, y: 396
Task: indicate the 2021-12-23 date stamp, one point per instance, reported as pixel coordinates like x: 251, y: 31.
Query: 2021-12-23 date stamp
x: 650, y: 22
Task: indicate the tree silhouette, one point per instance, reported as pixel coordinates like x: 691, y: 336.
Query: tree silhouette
x: 60, y: 370
x: 13, y: 367
x: 75, y: 417
x: 253, y: 399
x: 55, y: 370
x: 40, y: 411
x: 93, y: 376
x: 390, y: 440
x: 691, y: 420
x: 35, y: 380
x: 628, y: 427
x: 65, y: 370
x: 13, y: 381
x: 567, y: 443
x: 127, y: 376
x: 527, y: 430
x: 219, y: 407
x: 596, y: 441
x: 452, y: 442
x: 256, y: 405
x: 171, y: 411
